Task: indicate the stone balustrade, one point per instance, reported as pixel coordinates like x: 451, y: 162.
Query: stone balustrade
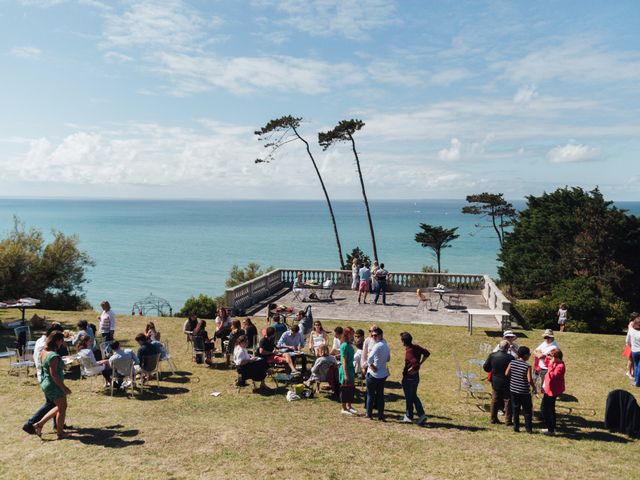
x: 496, y: 300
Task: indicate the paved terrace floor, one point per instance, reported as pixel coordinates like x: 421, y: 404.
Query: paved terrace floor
x: 401, y: 308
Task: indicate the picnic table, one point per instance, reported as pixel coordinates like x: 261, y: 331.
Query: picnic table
x: 321, y: 292
x: 478, y: 312
x: 21, y: 304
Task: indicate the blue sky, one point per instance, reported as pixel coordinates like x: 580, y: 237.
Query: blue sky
x: 159, y: 99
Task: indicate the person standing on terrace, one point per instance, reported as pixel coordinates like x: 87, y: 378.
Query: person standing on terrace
x: 299, y: 287
x: 355, y: 278
x: 365, y: 283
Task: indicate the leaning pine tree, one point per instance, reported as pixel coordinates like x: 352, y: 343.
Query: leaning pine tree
x: 277, y: 133
x: 343, y: 132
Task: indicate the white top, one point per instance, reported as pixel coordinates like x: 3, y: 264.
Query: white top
x: 107, y: 321
x: 545, y: 348
x: 37, y: 350
x: 369, y: 342
x: 317, y: 339
x: 336, y: 344
x: 357, y: 358
x: 633, y: 340
x: 562, y: 314
x: 88, y: 362
x: 220, y: 323
x: 240, y: 355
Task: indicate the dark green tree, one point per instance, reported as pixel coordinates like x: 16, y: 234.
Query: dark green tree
x: 572, y: 233
x: 239, y: 275
x: 53, y: 272
x: 359, y: 255
x: 343, y: 132
x: 494, y: 207
x: 281, y: 131
x: 436, y: 238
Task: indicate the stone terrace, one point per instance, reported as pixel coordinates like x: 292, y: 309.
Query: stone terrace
x: 401, y: 307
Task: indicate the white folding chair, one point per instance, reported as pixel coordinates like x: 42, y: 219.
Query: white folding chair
x: 167, y: 357
x: 89, y: 371
x: 128, y: 379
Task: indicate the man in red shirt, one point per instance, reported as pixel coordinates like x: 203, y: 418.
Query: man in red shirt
x: 414, y: 357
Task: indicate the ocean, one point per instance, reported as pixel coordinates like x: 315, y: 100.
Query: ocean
x: 180, y: 248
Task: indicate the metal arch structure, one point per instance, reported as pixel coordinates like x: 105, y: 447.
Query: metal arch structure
x: 150, y: 304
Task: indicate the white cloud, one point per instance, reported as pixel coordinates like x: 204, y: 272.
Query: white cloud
x: 118, y: 57
x: 169, y: 24
x: 573, y: 153
x: 525, y: 94
x: 25, y: 52
x: 241, y: 75
x: 453, y: 153
x: 353, y: 19
x: 449, y: 76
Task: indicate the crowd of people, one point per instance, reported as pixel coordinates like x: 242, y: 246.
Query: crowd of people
x: 117, y: 365
x: 369, y: 280
x: 345, y: 355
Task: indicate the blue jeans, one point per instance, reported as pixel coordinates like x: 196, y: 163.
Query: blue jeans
x: 410, y: 388
x: 375, y: 395
x: 42, y: 411
x: 635, y: 356
x: 381, y: 287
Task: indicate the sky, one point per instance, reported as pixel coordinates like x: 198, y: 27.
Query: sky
x: 160, y: 99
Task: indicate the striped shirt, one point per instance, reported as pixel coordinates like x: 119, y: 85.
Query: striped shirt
x: 519, y: 382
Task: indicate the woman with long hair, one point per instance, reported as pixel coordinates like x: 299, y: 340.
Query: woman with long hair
x: 347, y: 372
x: 52, y: 384
x: 317, y: 338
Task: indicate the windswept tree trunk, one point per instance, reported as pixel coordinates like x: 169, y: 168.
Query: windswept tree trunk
x: 438, y: 260
x: 326, y: 195
x: 366, y: 202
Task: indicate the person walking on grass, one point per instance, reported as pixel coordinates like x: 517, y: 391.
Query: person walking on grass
x: 377, y: 373
x: 365, y: 283
x: 520, y: 384
x: 563, y: 316
x: 628, y: 353
x: 553, y: 387
x: 52, y: 384
x: 497, y: 364
x: 414, y: 357
x: 347, y: 372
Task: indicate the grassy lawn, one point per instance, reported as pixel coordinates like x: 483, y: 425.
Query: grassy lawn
x: 180, y: 431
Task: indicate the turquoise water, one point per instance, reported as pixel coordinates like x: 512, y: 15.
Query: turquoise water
x: 176, y: 249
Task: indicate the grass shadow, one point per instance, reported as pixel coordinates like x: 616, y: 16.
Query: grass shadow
x: 452, y: 426
x: 112, y: 436
x: 153, y: 392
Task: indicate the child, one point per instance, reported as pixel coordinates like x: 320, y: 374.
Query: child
x: 519, y: 373
x: 563, y: 316
x: 337, y: 341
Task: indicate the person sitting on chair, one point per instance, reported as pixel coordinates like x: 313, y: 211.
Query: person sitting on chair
x: 209, y: 347
x: 120, y: 362
x: 251, y: 331
x: 278, y: 326
x: 190, y: 324
x: 299, y: 287
x: 292, y: 340
x: 236, y: 332
x: 318, y: 338
x: 223, y: 326
x: 321, y: 366
x: 248, y: 368
x: 267, y: 350
x: 89, y: 362
x: 83, y: 330
x: 151, y: 332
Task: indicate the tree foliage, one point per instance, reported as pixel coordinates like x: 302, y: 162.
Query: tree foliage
x: 573, y: 242
x: 493, y: 206
x: 343, y: 132
x: 239, y: 275
x: 281, y: 131
x: 359, y: 255
x: 202, y: 305
x: 436, y: 238
x: 54, y: 272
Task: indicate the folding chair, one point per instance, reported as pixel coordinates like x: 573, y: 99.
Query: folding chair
x: 423, y: 300
x: 89, y: 371
x: 23, y: 336
x: 105, y: 349
x: 127, y: 378
x: 167, y: 357
x: 148, y: 367
x: 198, y: 349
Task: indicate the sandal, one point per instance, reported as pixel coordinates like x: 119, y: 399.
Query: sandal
x: 38, y: 429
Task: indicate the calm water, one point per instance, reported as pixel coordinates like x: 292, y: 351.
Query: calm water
x: 176, y: 249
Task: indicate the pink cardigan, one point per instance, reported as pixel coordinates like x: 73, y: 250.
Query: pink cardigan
x: 554, y: 379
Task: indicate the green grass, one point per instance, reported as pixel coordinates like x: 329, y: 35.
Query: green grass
x: 180, y: 431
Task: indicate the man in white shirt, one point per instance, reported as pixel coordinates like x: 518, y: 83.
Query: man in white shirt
x: 377, y: 374
x: 121, y: 362
x: 542, y: 351
x: 510, y: 337
x: 107, y: 322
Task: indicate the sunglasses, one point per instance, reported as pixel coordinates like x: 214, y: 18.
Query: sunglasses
x: 375, y: 335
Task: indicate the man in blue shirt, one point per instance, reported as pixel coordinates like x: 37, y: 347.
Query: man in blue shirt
x: 365, y: 282
x: 292, y: 340
x: 147, y: 349
x: 377, y: 373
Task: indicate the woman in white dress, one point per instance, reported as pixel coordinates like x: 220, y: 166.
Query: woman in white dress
x: 317, y: 339
x: 355, y: 278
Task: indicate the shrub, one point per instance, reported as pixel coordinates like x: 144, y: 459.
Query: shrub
x: 239, y: 275
x: 202, y: 305
x: 359, y: 255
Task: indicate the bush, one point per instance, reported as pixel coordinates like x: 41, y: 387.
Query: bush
x: 202, y: 305
x: 239, y: 275
x: 357, y: 254
x: 533, y: 314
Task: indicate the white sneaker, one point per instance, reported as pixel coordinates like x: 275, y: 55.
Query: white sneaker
x: 421, y: 420
x: 353, y: 411
x: 500, y: 413
x: 347, y: 412
x: 406, y: 419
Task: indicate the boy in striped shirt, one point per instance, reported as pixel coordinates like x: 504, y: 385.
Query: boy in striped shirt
x: 520, y: 383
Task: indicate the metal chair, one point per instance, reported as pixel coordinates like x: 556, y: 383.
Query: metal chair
x: 89, y: 371
x: 423, y: 300
x: 148, y: 368
x: 105, y: 349
x: 198, y: 350
x: 166, y: 357
x: 127, y: 378
x: 23, y: 336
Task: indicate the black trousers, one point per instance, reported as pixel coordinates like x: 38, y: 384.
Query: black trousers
x: 548, y: 410
x: 522, y: 401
